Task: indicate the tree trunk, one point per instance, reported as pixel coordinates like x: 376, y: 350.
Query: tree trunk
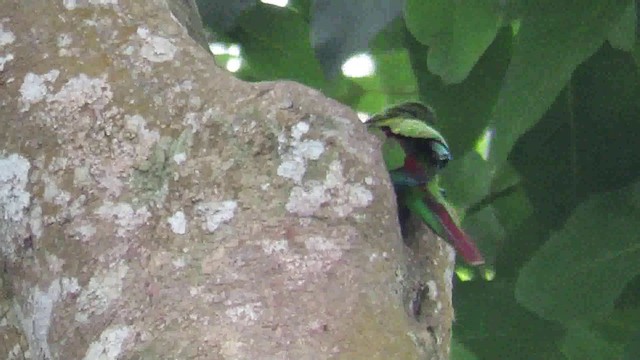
x: 154, y: 207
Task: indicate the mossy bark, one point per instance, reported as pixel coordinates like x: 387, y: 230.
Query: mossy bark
x: 153, y: 206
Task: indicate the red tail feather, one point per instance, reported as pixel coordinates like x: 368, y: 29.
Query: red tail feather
x: 462, y: 242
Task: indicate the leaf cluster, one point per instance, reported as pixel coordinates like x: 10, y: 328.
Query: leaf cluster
x: 540, y: 104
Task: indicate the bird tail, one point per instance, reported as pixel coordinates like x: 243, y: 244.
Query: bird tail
x: 462, y: 242
x: 441, y: 218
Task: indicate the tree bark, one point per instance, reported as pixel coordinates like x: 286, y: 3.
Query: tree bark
x: 154, y: 207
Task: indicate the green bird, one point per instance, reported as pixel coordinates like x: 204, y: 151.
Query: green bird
x: 412, y: 150
x: 428, y: 203
x: 414, y: 153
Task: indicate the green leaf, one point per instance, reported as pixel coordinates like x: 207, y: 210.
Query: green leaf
x: 623, y: 34
x: 632, y: 350
x: 636, y: 55
x: 581, y: 270
x: 466, y: 179
x: 491, y: 324
x: 545, y: 160
x: 485, y: 227
x: 303, y: 7
x: 347, y: 91
x: 520, y: 243
x: 553, y: 39
x: 457, y: 33
x: 275, y: 44
x: 586, y: 142
x: 463, y: 109
x: 620, y: 326
x: 221, y: 15
x: 371, y: 102
x: 584, y: 343
x: 393, y: 65
x: 510, y: 207
x: 339, y: 29
x: 460, y: 352
x: 397, y: 79
x: 427, y: 20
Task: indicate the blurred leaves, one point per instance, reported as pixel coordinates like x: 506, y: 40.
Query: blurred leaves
x: 220, y: 15
x: 491, y: 324
x: 361, y: 20
x: 459, y: 352
x: 632, y: 350
x: 463, y: 109
x: 584, y: 343
x: 623, y: 34
x: 554, y: 37
x: 457, y: 33
x: 275, y: 42
x: 577, y: 275
x: 555, y: 204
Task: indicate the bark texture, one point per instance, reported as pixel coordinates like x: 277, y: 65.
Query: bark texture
x: 154, y: 207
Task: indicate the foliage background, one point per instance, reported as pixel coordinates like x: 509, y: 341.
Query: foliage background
x: 540, y: 103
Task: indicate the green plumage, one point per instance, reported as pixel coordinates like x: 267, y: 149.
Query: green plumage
x: 414, y: 153
x: 413, y: 199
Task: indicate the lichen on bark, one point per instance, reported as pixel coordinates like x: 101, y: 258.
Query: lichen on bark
x: 154, y: 206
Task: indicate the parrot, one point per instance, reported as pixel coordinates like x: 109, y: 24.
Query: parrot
x: 414, y: 153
